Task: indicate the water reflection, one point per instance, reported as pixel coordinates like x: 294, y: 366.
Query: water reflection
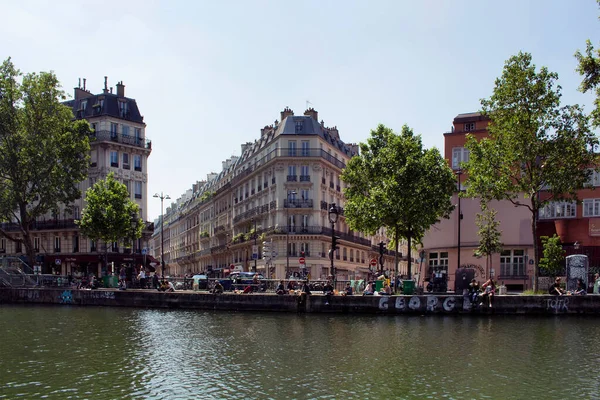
x: 64, y: 352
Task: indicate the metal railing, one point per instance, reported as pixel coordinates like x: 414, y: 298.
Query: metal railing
x: 104, y: 135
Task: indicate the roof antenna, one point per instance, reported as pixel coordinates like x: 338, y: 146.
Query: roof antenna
x: 307, y: 103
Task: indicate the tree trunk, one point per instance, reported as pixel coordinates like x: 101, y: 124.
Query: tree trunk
x: 396, y: 261
x: 408, y: 257
x: 535, y: 245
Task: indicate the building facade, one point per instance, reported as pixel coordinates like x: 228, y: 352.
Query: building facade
x: 118, y: 144
x: 275, y: 195
x: 458, y: 235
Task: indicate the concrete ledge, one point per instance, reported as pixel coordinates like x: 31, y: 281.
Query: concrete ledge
x: 425, y: 304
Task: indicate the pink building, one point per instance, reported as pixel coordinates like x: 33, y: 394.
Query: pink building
x: 442, y: 251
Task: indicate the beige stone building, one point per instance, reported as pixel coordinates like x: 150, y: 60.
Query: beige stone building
x: 276, y: 195
x: 118, y: 145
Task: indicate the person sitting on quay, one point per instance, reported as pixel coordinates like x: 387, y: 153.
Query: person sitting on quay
x: 474, y: 291
x: 218, y: 288
x: 596, y: 284
x: 280, y: 289
x: 369, y: 290
x: 155, y: 282
x: 386, y: 290
x: 580, y: 290
x: 304, y: 292
x: 291, y: 286
x: 328, y: 292
x: 555, y: 288
x: 142, y: 278
x: 347, y: 290
x: 489, y: 290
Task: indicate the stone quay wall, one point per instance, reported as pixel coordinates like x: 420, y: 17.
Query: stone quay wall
x: 440, y: 304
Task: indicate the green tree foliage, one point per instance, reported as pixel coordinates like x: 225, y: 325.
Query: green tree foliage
x: 396, y: 184
x: 589, y: 68
x: 553, y: 261
x: 108, y: 213
x: 490, y: 237
x: 44, y: 154
x: 534, y: 144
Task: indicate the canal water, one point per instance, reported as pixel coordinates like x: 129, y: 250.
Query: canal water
x: 122, y: 353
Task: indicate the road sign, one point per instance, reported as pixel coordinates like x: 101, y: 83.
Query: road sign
x: 373, y: 262
x: 301, y: 260
x: 145, y: 251
x: 273, y: 254
x: 57, y: 261
x: 255, y: 252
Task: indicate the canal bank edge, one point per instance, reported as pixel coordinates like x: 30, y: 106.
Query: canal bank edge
x: 423, y: 304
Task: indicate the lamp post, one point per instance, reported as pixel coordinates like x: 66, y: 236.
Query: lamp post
x: 133, y: 227
x: 162, y: 197
x: 287, y: 234
x: 333, y: 217
x: 459, y: 173
x: 255, y: 247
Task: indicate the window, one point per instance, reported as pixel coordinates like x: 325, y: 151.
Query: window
x: 304, y: 223
x: 137, y: 162
x: 594, y: 178
x: 94, y: 126
x: 304, y: 194
x: 113, y: 130
x: 138, y: 136
x: 512, y: 263
x: 138, y: 189
x: 114, y: 159
x: 559, y: 209
x: 591, y: 207
x: 292, y: 148
x: 36, y: 243
x: 304, y: 250
x: 76, y: 212
x: 470, y: 126
x: 304, y: 174
x: 75, y: 244
x: 299, y: 126
x: 292, y: 173
x: 93, y: 158
x: 83, y: 104
x: 123, y: 109
x: 57, y: 244
x: 459, y: 155
x: 18, y: 247
x: 291, y: 195
x: 125, y: 160
x: 305, y: 148
x: 92, y: 181
x: 2, y: 245
x: 125, y: 130
x: 438, y: 262
x: 92, y: 245
x: 126, y: 183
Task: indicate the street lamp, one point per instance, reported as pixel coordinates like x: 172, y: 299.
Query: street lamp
x: 255, y: 247
x: 287, y: 235
x: 460, y: 216
x: 162, y: 197
x: 333, y: 217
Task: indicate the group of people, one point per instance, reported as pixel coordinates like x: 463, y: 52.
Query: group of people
x: 557, y: 290
x: 370, y: 290
x: 484, y: 294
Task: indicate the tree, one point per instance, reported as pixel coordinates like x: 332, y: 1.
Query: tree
x: 554, y: 255
x: 489, y: 235
x: 108, y: 213
x: 44, y: 153
x: 534, y: 145
x: 589, y: 68
x: 396, y: 184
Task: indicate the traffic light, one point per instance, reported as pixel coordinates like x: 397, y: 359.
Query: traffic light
x: 381, y: 248
x: 266, y: 250
x: 334, y: 242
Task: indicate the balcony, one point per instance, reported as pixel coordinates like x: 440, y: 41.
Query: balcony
x: 298, y: 203
x: 337, y: 187
x: 41, y: 225
x: 324, y: 205
x: 57, y: 249
x: 331, y: 185
x: 103, y: 136
x: 304, y: 178
x: 292, y: 178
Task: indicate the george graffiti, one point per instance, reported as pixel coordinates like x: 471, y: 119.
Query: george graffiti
x: 449, y: 304
x: 383, y: 303
x: 414, y: 303
x: 400, y: 304
x: 432, y: 303
x: 557, y: 305
x: 66, y: 297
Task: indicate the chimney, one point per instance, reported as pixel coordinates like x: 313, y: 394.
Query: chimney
x: 286, y: 112
x: 120, y: 89
x: 84, y: 83
x: 105, y: 90
x: 111, y: 90
x: 312, y: 113
x: 79, y: 84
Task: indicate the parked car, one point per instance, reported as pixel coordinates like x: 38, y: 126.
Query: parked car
x: 239, y: 279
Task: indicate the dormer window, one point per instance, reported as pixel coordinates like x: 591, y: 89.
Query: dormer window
x: 469, y: 126
x: 123, y: 109
x: 299, y: 126
x: 83, y: 104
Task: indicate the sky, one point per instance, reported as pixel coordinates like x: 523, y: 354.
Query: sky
x: 208, y: 75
